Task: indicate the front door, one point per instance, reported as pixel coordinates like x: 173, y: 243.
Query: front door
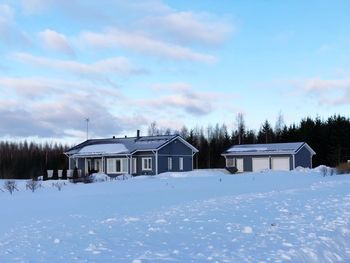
x: 97, y: 165
x: 240, y: 167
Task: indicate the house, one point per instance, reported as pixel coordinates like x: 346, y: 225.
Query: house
x: 274, y: 156
x: 140, y: 155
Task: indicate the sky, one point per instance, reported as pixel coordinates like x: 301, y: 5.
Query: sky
x: 125, y: 64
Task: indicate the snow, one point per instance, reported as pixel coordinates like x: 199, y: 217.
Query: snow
x: 247, y: 149
x: 200, y: 216
x: 107, y: 148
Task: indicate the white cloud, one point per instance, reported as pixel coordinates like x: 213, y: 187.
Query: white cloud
x: 10, y: 34
x: 327, y: 91
x: 177, y: 87
x: 142, y: 43
x: 189, y: 27
x: 35, y: 6
x: 55, y: 41
x: 115, y: 65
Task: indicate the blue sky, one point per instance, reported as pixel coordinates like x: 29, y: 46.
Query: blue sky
x: 178, y: 63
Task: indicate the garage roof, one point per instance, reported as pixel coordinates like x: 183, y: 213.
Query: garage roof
x: 269, y: 148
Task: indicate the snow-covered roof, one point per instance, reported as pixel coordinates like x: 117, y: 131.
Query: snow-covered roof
x: 106, y: 149
x: 269, y: 148
x: 125, y: 145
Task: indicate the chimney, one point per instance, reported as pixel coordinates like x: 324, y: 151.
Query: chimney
x: 138, y: 134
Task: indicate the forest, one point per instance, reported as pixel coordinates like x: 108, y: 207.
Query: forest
x: 330, y: 138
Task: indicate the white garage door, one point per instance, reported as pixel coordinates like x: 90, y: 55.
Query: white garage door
x: 260, y: 164
x: 280, y: 163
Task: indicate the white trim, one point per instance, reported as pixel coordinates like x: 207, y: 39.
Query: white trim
x: 149, y: 164
x: 293, y: 156
x: 181, y: 163
x: 156, y: 162
x: 134, y: 165
x: 307, y: 147
x: 170, y: 163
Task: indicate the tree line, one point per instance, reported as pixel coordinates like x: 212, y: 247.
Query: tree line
x: 23, y: 160
x: 330, y: 138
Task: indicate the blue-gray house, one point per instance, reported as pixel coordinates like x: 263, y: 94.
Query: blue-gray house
x: 140, y: 155
x: 274, y: 156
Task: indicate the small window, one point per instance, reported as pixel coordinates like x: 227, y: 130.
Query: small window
x: 230, y: 162
x: 170, y: 163
x: 147, y: 164
x: 181, y: 163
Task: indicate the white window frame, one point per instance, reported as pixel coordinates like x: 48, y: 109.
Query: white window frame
x: 113, y: 162
x: 146, y: 164
x: 181, y: 163
x: 170, y: 163
x: 230, y: 162
x: 134, y: 165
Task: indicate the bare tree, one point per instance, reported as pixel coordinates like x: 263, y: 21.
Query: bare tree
x: 152, y: 129
x: 240, y: 127
x: 279, y: 123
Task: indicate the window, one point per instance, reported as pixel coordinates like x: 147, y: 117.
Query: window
x: 134, y: 165
x: 230, y: 162
x: 89, y: 165
x: 117, y: 165
x: 181, y: 163
x: 170, y: 163
x: 147, y: 164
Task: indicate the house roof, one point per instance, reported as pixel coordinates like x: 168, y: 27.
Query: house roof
x: 124, y: 146
x: 269, y: 148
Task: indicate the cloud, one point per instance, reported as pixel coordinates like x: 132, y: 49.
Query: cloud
x: 142, y: 43
x: 55, y: 41
x: 10, y: 34
x: 328, y: 91
x: 177, y: 87
x: 189, y: 27
x: 115, y: 65
x: 36, y: 6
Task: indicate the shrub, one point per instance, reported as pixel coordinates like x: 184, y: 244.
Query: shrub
x: 75, y: 173
x: 10, y: 186
x: 32, y: 185
x: 343, y: 168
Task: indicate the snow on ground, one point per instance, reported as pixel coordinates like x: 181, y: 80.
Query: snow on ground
x: 201, y: 216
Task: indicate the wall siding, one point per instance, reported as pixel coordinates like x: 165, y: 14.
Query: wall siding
x: 248, y: 160
x: 175, y: 150
x: 303, y: 158
x: 139, y: 156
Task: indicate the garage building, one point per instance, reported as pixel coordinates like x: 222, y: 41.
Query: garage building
x: 274, y: 156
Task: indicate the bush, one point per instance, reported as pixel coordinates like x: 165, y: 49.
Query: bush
x: 75, y: 173
x: 10, y: 186
x: 343, y: 168
x: 32, y: 185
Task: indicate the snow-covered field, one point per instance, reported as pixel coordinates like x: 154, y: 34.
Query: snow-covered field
x: 201, y: 216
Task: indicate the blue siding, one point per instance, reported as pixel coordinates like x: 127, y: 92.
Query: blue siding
x: 175, y: 150
x: 303, y: 158
x: 139, y: 156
